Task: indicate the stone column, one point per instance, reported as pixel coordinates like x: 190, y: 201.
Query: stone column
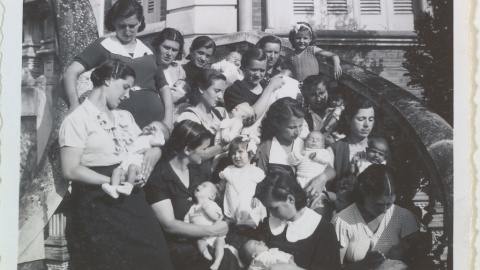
x: 245, y: 15
x: 56, y: 252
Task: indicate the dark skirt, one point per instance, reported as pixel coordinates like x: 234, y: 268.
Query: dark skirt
x: 107, y: 233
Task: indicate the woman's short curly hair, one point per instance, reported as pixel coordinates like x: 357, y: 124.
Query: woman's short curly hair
x: 351, y: 109
x: 277, y: 185
x: 169, y: 34
x: 252, y: 54
x: 280, y: 112
x: 124, y: 9
x: 202, y: 81
x: 375, y: 181
x: 304, y: 26
x: 261, y: 43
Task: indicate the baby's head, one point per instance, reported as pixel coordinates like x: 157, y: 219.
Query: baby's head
x: 239, y: 152
x: 159, y: 131
x: 286, y: 67
x: 343, y: 190
x: 315, y: 140
x: 250, y: 250
x: 179, y: 89
x: 235, y: 58
x: 377, y: 150
x: 336, y: 100
x: 205, y: 191
x: 242, y: 110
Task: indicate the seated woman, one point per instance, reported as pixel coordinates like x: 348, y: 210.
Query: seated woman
x: 204, y: 95
x: 373, y: 229
x: 356, y: 122
x: 104, y: 233
x: 293, y: 228
x: 170, y: 190
x: 280, y: 131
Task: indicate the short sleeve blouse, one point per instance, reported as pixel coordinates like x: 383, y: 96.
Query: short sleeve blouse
x: 164, y: 184
x: 354, y: 234
x: 211, y: 124
x: 104, y: 142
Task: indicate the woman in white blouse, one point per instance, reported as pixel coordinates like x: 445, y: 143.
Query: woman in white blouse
x: 373, y: 229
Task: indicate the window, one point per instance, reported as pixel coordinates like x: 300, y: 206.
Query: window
x: 370, y: 7
x: 402, y: 7
x: 304, y: 7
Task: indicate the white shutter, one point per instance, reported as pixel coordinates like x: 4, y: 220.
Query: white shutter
x: 370, y: 7
x: 337, y: 7
x: 303, y: 7
x: 402, y: 7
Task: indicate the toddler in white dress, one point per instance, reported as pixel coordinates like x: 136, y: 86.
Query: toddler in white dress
x: 240, y: 181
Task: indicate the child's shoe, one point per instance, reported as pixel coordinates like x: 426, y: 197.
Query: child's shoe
x: 110, y: 190
x: 125, y: 188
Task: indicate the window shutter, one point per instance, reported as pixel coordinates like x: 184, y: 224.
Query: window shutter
x: 402, y: 7
x: 370, y: 7
x: 151, y: 6
x: 304, y: 7
x: 337, y: 6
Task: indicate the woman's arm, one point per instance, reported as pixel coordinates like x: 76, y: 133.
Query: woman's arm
x: 167, y: 98
x: 150, y: 157
x: 164, y: 212
x: 72, y: 169
x: 336, y: 61
x: 213, y: 151
x: 262, y: 103
x: 70, y: 77
x: 316, y: 186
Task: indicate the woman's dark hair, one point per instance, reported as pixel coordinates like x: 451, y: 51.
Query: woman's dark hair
x: 169, y: 34
x: 303, y: 27
x: 351, y: 109
x: 252, y: 54
x: 239, y: 143
x: 277, y: 185
x: 185, y: 134
x: 111, y: 69
x: 261, y: 43
x: 124, y: 9
x: 376, y: 180
x: 279, y: 112
x: 202, y: 81
x: 200, y: 42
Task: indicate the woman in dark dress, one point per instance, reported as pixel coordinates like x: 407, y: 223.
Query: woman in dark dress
x: 102, y: 232
x: 293, y: 228
x: 170, y: 190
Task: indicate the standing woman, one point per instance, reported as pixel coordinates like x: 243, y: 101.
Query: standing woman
x: 201, y: 51
x: 295, y: 229
x: 169, y: 47
x: 102, y: 232
x: 126, y: 18
x: 207, y: 91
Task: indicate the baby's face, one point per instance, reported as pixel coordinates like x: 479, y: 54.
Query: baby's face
x: 338, y: 103
x: 177, y: 90
x: 234, y: 58
x: 377, y: 152
x: 314, y: 140
x: 256, y: 247
x: 242, y: 110
x: 205, y: 190
x: 156, y: 129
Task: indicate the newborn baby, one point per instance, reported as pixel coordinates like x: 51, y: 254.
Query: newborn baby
x: 231, y: 128
x: 376, y: 153
x: 259, y: 257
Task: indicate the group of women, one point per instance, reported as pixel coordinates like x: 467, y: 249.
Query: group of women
x: 145, y: 230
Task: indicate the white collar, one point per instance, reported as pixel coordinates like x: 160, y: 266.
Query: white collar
x: 113, y: 45
x: 299, y: 229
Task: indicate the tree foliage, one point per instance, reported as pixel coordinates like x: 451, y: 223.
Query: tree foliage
x: 430, y: 64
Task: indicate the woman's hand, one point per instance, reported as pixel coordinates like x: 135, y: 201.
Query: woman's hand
x: 337, y: 69
x: 249, y: 120
x: 255, y: 203
x: 150, y: 158
x: 276, y: 82
x: 316, y: 186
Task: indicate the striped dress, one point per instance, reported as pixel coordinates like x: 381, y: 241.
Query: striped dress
x: 354, y: 234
